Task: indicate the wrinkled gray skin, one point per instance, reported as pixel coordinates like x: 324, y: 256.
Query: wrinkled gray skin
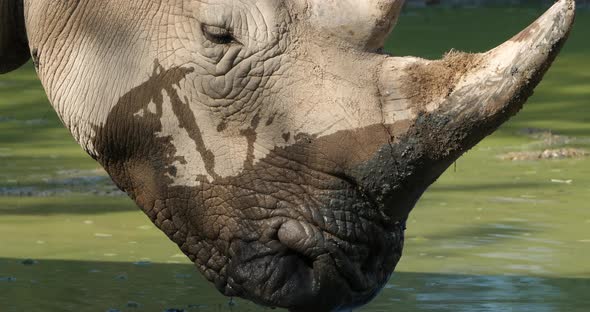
x: 270, y: 139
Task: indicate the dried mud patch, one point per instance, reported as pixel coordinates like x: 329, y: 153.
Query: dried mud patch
x: 547, y: 146
x: 561, y: 153
x: 430, y: 81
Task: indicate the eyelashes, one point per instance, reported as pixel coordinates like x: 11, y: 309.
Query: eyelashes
x: 218, y: 35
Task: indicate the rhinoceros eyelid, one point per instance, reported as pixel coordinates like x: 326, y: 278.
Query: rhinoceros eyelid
x: 218, y: 35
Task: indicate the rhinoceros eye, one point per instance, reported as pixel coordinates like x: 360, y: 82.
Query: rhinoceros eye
x: 218, y: 35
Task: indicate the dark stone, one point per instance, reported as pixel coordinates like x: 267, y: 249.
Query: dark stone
x: 122, y: 277
x: 29, y: 262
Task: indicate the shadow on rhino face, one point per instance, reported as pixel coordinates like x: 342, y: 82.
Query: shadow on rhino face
x: 301, y: 228
x: 318, y: 224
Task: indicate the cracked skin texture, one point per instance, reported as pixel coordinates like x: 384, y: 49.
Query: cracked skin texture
x: 229, y: 227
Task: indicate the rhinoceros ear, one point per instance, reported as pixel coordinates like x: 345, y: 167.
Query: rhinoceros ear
x: 14, y: 48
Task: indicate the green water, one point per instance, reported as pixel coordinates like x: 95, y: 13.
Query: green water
x: 100, y: 286
x: 490, y: 235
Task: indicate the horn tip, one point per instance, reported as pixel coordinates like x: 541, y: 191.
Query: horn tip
x: 566, y: 9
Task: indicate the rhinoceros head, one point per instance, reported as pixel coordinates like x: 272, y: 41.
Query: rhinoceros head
x: 272, y: 140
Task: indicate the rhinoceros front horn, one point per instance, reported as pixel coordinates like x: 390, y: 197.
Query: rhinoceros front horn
x: 455, y: 102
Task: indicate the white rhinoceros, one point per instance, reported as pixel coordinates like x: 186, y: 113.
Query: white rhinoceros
x: 272, y: 140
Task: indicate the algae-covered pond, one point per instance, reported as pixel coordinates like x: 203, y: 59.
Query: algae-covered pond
x: 506, y: 229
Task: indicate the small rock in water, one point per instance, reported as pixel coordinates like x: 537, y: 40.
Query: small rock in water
x: 142, y: 263
x: 562, y: 181
x: 122, y: 277
x: 133, y: 304
x: 29, y: 262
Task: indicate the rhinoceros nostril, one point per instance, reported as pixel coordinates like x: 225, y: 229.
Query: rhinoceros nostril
x: 303, y: 238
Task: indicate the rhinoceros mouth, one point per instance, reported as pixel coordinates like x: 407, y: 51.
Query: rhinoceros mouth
x: 306, y: 266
